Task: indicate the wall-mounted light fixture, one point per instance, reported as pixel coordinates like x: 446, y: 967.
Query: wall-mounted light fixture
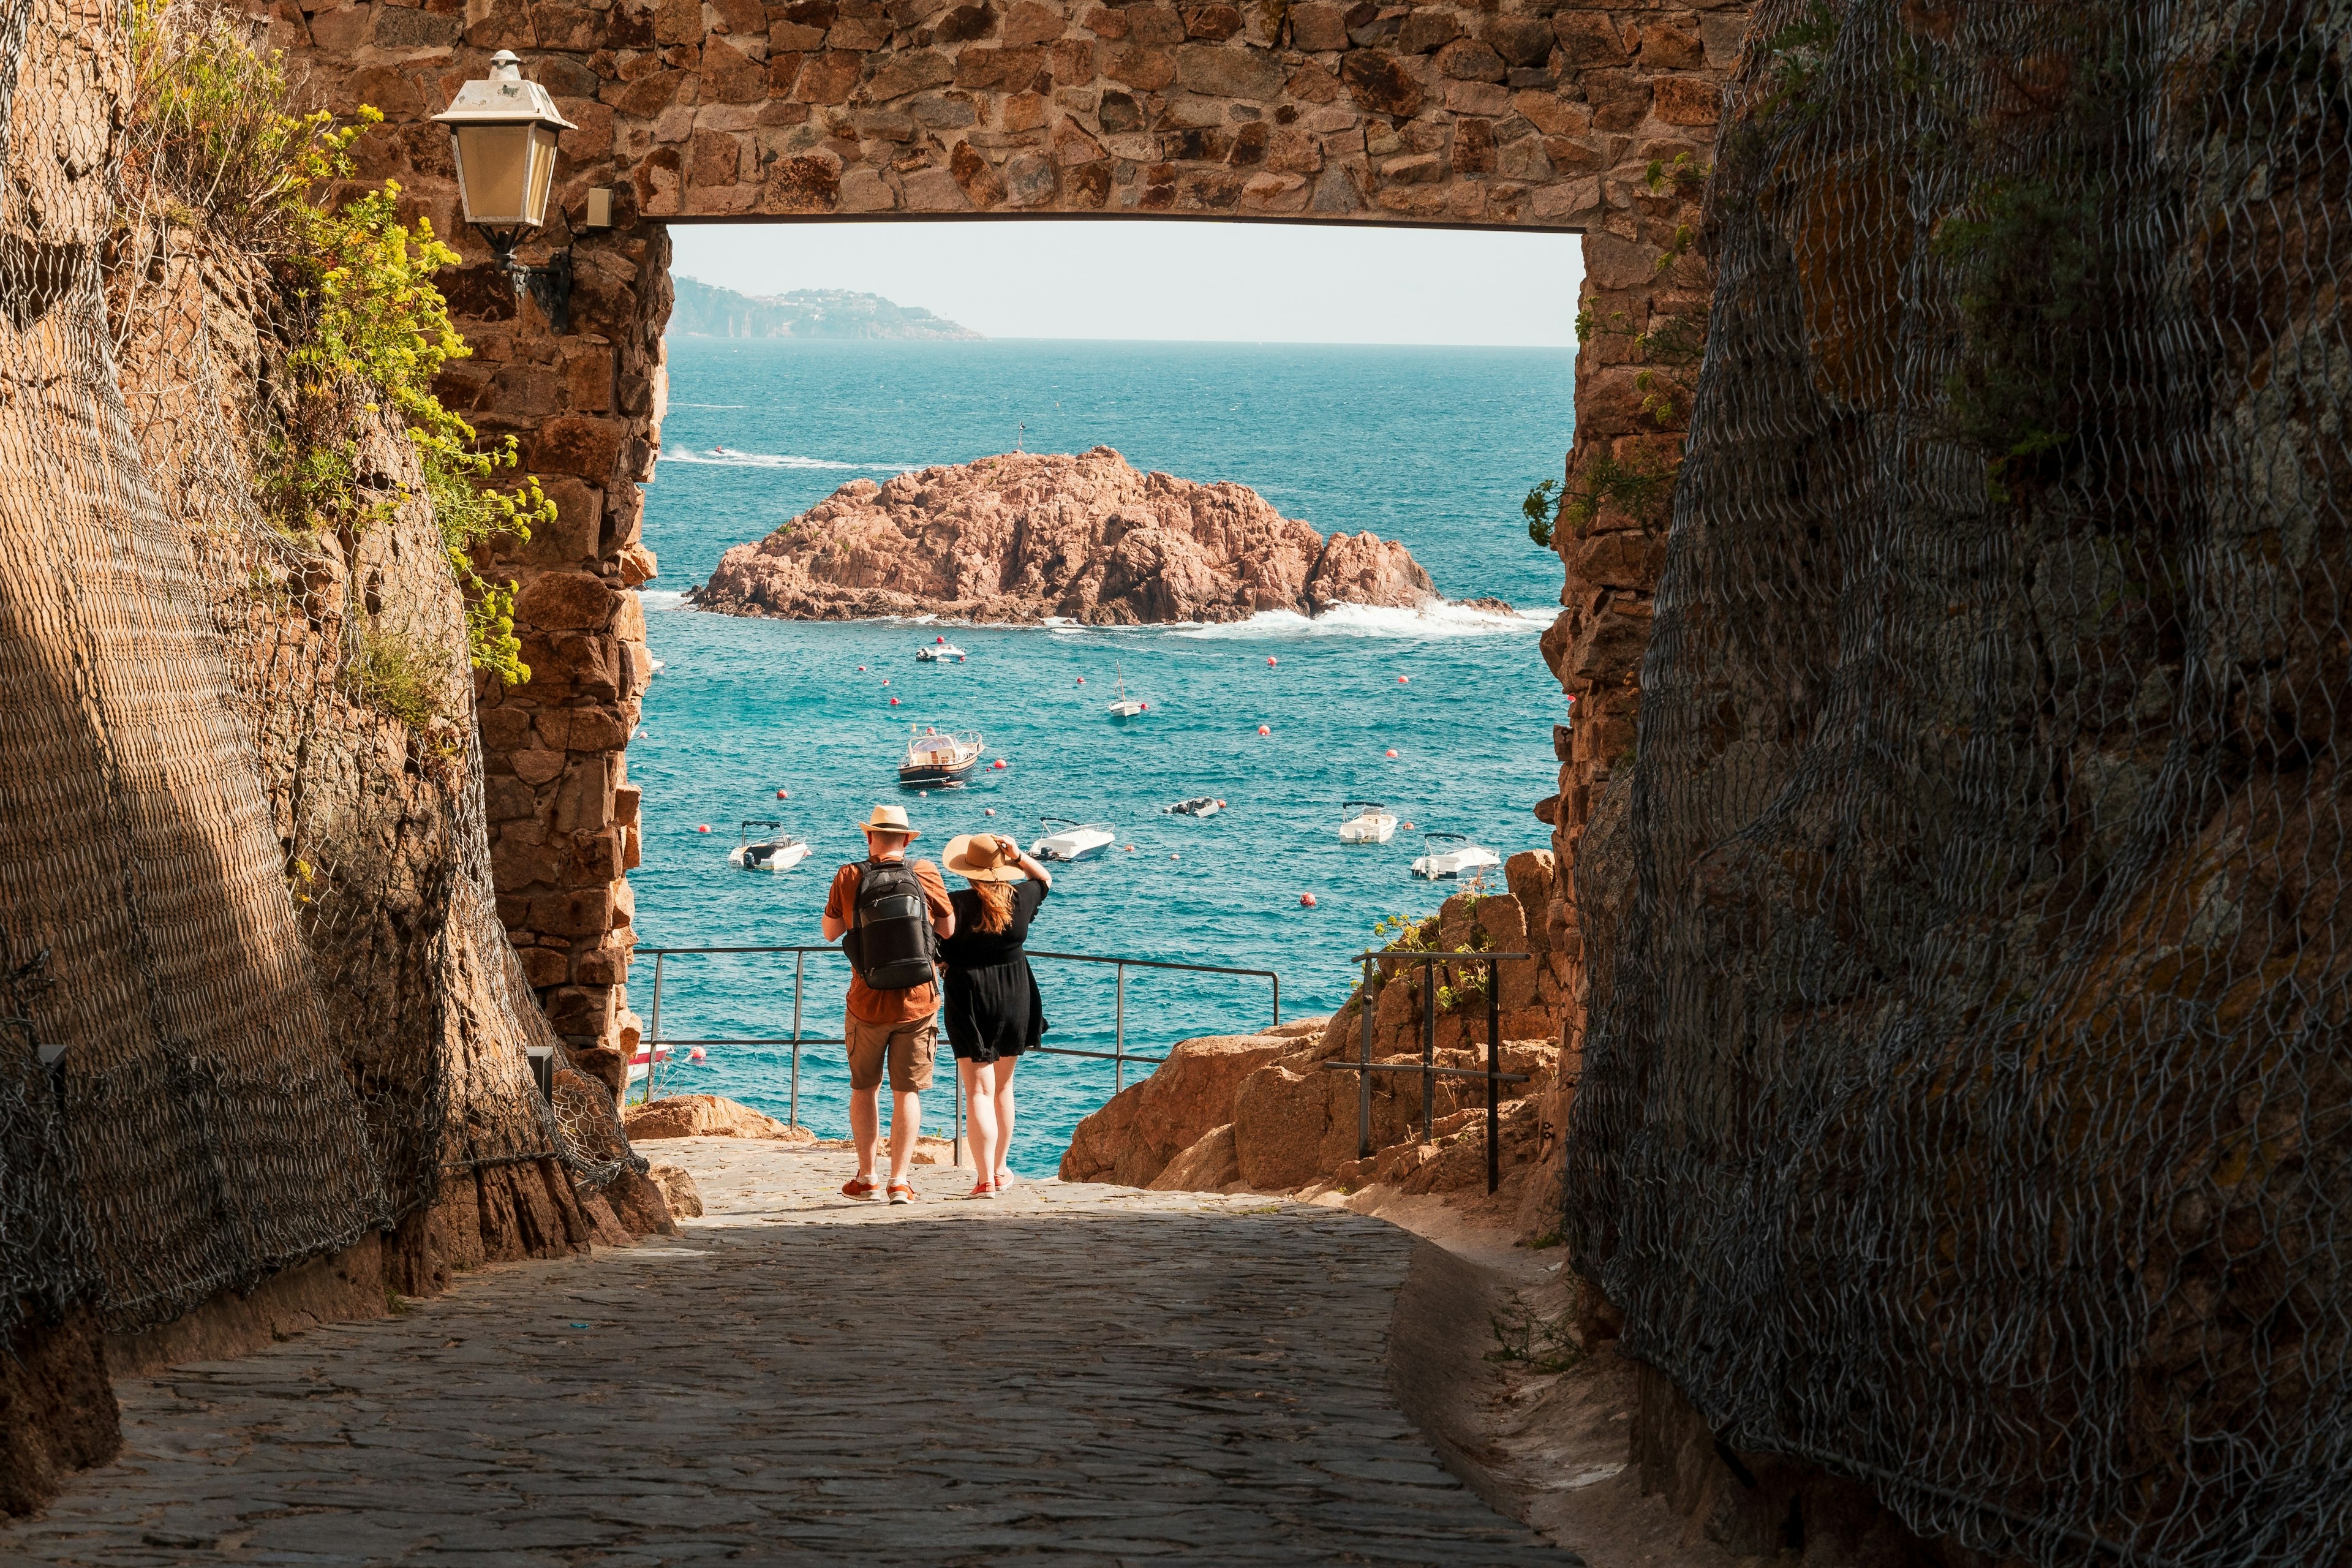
x: 502, y: 132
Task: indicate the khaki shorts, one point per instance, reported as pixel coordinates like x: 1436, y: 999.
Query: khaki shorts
x: 909, y: 1047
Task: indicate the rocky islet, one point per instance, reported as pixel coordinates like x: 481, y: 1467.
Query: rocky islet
x: 1026, y: 536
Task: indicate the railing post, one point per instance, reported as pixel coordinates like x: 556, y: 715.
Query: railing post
x: 653, y: 1034
x: 1494, y: 1084
x: 799, y: 971
x: 1428, y: 1048
x: 1119, y: 1037
x: 1364, y: 1078
x: 1278, y: 1000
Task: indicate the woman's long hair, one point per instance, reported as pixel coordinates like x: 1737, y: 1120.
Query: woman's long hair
x: 995, y: 905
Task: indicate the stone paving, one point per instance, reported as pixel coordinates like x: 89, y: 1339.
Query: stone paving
x: 1085, y: 1374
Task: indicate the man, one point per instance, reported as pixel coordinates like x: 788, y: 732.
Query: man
x: 892, y: 1018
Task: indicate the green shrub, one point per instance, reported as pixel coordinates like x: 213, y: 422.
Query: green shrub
x: 223, y: 142
x: 392, y: 673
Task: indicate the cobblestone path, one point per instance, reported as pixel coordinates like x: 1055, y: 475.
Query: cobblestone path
x: 1084, y: 1375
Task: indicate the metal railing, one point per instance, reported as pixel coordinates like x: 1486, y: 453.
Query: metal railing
x: 1375, y: 978
x: 655, y: 1047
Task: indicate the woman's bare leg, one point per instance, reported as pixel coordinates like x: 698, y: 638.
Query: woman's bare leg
x: 1002, y: 1111
x: 980, y: 1109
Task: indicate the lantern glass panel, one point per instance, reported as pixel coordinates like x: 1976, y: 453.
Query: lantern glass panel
x: 542, y: 171
x: 495, y: 174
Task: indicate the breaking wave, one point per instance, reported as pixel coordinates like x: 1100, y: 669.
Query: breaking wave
x: 728, y: 456
x: 1439, y: 619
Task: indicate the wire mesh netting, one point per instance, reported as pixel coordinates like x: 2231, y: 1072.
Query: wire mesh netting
x: 1969, y: 1109
x: 242, y: 845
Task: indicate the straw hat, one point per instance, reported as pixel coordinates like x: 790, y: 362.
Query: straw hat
x: 889, y: 820
x: 981, y: 858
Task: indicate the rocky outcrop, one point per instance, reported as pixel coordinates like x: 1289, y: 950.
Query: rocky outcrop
x: 706, y: 1116
x: 1028, y: 536
x: 1146, y: 1125
x: 1265, y: 1113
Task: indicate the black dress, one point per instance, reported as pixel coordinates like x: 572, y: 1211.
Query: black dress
x: 993, y: 1007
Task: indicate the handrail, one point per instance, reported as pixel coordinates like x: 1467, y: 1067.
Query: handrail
x: 1118, y: 1055
x: 1369, y: 1004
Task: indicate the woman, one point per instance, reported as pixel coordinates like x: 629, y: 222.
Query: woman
x: 993, y: 1010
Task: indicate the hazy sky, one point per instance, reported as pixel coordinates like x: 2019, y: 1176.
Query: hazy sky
x: 1188, y: 280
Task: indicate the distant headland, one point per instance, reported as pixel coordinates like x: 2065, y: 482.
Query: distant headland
x: 1025, y: 536
x: 704, y: 311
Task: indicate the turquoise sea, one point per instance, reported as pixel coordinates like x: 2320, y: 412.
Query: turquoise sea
x: 1434, y: 446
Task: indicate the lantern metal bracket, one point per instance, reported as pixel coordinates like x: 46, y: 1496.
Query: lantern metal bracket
x: 548, y: 287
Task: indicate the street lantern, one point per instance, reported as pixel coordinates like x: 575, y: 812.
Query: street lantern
x: 502, y: 132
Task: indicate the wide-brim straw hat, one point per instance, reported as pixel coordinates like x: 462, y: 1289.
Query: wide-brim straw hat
x: 889, y: 820
x: 978, y: 858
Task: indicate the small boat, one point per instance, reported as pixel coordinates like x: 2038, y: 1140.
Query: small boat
x: 775, y: 851
x: 1452, y: 855
x: 936, y: 649
x: 1366, y: 822
x: 934, y: 761
x: 1127, y: 707
x: 1198, y: 805
x: 1076, y: 841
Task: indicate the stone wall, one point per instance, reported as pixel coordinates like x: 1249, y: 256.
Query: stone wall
x: 1530, y: 115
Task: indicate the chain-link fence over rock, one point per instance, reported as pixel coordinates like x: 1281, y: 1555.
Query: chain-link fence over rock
x: 260, y: 1005
x: 1965, y: 1107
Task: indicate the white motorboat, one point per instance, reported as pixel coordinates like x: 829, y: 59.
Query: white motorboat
x: 1366, y: 822
x: 937, y: 650
x: 775, y: 850
x: 1451, y: 855
x: 1198, y: 805
x: 934, y: 761
x: 1076, y: 841
x: 1125, y: 707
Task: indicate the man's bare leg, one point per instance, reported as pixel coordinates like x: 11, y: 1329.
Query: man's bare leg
x: 866, y: 1127
x: 906, y: 1126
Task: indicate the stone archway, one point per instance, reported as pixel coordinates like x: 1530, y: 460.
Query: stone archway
x: 1505, y: 113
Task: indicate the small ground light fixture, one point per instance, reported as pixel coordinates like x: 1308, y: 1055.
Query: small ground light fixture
x: 502, y: 134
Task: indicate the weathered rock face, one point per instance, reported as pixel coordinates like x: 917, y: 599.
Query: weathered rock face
x: 706, y: 1116
x: 1142, y: 1128
x: 1265, y: 1112
x: 1031, y: 535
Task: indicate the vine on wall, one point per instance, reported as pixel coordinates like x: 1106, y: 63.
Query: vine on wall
x: 363, y: 328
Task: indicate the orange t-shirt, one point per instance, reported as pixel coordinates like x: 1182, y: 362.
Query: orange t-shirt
x: 866, y: 1004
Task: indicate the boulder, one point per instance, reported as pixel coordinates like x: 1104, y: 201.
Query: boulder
x: 677, y: 1184
x: 1027, y: 535
x: 1143, y: 1127
x: 706, y: 1116
x: 1280, y: 1120
x: 1209, y: 1165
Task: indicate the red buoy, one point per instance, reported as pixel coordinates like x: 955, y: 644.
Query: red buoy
x: 999, y: 763
x: 783, y: 794
x: 861, y: 670
x: 1308, y: 899
x: 1403, y: 680
x: 1082, y: 681
x: 1392, y: 750
x: 697, y: 1054
x: 939, y: 640
x: 886, y: 680
x: 992, y: 811
x: 1263, y: 730
x: 1269, y: 662
x: 894, y: 702
x: 704, y: 828
x: 1143, y: 707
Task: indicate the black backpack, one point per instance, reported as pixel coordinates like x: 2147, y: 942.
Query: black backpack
x: 889, y: 936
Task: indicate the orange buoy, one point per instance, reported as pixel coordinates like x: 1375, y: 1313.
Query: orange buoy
x: 1308, y: 899
x: 704, y: 828
x: 783, y: 794
x: 998, y: 765
x: 1263, y: 730
x: 697, y: 1054
x: 1130, y: 849
x: 1269, y: 662
x: 1405, y: 679
x: 1392, y: 750
x: 1221, y: 806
